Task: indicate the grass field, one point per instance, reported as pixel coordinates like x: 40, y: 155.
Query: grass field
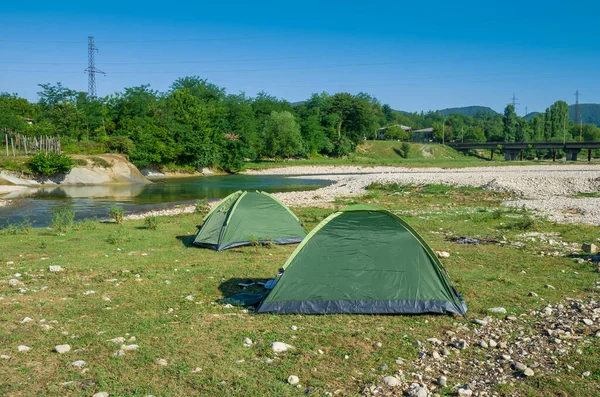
x: 138, y: 275
x: 371, y: 153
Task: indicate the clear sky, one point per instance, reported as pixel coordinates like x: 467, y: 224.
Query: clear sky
x: 418, y: 55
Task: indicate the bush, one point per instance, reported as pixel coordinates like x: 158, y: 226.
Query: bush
x: 50, y: 164
x: 81, y: 162
x: 405, y: 150
x: 151, y: 222
x: 117, y: 214
x: 14, y: 229
x: 62, y: 219
x: 202, y: 207
x: 118, y: 236
x: 100, y: 162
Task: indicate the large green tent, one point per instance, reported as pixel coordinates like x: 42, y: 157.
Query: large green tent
x: 246, y: 217
x: 363, y: 259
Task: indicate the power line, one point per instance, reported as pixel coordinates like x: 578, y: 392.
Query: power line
x: 171, y: 40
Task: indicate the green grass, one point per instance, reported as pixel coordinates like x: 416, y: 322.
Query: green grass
x: 583, y: 195
x: 371, y: 153
x: 201, y: 333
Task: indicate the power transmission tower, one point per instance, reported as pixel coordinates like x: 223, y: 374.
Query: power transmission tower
x: 91, y: 70
x: 514, y: 102
x: 577, y: 106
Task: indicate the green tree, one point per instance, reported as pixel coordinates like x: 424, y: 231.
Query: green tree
x: 282, y: 135
x: 510, y: 123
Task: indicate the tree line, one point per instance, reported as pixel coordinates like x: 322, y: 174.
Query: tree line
x: 196, y: 123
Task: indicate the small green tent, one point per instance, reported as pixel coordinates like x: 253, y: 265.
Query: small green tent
x: 245, y: 217
x: 363, y: 259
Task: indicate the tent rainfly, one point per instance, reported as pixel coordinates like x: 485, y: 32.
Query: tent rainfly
x: 367, y: 260
x: 246, y: 217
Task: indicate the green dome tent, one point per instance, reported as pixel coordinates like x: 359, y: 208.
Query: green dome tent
x: 244, y: 217
x: 363, y: 260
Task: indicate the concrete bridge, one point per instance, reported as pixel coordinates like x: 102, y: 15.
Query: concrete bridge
x: 514, y: 150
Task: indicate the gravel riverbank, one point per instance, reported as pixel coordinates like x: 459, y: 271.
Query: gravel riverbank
x: 547, y: 189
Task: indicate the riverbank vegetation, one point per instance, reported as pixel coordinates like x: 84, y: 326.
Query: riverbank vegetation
x: 198, y: 124
x: 145, y: 284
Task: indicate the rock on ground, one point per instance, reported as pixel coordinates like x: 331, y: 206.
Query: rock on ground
x: 392, y: 381
x: 279, y: 347
x: 293, y: 380
x: 62, y: 349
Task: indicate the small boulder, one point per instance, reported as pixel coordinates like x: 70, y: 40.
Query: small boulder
x: 528, y: 372
x: 78, y: 363
x: 587, y: 321
x: 23, y: 348
x: 279, y: 347
x: 442, y: 254
x: 62, y: 349
x: 392, y: 381
x: 13, y: 282
x: 442, y: 381
x: 26, y: 320
x: 465, y: 392
x: 55, y: 269
x: 417, y: 390
x: 101, y: 394
x: 162, y: 362
x: 293, y: 380
x: 129, y: 348
x: 248, y: 342
x: 497, y: 310
x: 589, y: 248
x: 531, y: 293
x: 520, y: 366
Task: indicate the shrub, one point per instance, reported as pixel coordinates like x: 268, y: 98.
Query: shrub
x: 50, y: 164
x: 81, y: 162
x: 100, y: 162
x: 14, y: 229
x: 118, y: 236
x: 117, y: 214
x: 405, y: 150
x: 151, y: 222
x: 202, y: 207
x: 62, y: 219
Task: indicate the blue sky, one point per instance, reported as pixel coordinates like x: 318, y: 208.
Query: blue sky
x: 421, y: 56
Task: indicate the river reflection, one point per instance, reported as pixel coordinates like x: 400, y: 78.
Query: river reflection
x: 36, y: 205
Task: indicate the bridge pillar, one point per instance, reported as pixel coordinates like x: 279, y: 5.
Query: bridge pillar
x: 492, y: 154
x: 553, y: 154
x: 572, y: 154
x: 589, y: 155
x: 511, y: 154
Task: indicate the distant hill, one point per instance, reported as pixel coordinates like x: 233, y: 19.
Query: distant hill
x: 531, y: 115
x: 588, y: 112
x: 468, y: 111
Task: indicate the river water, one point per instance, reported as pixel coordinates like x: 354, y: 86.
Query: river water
x: 36, y: 205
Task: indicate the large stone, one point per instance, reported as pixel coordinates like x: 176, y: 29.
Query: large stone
x: 589, y: 248
x: 497, y: 310
x: 392, y: 381
x: 442, y: 381
x: 465, y: 392
x: 279, y: 347
x: 417, y: 390
x: 62, y: 349
x: 528, y: 372
x: 293, y: 380
x: 101, y: 394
